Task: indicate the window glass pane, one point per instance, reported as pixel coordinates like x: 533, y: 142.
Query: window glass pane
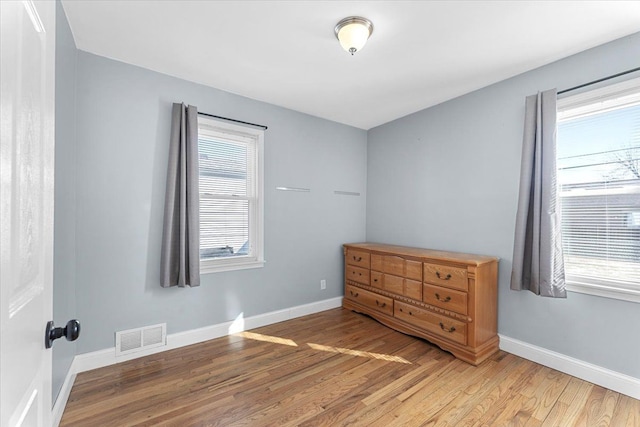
x: 599, y: 177
x: 224, y: 228
x: 223, y: 167
x: 226, y: 189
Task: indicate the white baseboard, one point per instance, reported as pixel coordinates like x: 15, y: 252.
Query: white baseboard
x: 63, y: 396
x: 604, y: 377
x: 106, y: 357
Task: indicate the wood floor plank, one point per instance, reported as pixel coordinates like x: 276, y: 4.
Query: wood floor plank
x: 627, y: 412
x: 521, y: 406
x: 569, y: 403
x: 336, y: 368
x: 483, y: 390
x: 546, y: 395
x: 499, y: 395
x: 598, y: 409
x: 429, y: 400
x: 401, y: 383
x: 339, y: 410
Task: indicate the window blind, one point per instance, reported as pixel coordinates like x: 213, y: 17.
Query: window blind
x: 227, y: 194
x: 598, y: 146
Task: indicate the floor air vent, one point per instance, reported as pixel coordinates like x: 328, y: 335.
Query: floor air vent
x: 139, y: 339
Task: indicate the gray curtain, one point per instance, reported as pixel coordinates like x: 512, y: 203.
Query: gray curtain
x: 538, y: 264
x: 180, y: 258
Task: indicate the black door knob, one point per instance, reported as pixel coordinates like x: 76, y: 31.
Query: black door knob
x: 71, y: 332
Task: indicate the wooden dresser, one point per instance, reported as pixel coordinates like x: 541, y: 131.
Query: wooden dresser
x: 447, y: 298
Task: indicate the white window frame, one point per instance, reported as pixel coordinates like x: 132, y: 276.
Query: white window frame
x: 589, y: 102
x: 233, y: 132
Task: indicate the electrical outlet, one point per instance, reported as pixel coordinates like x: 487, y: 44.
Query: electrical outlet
x: 323, y: 284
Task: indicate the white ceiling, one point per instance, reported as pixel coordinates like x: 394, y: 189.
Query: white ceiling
x: 285, y: 53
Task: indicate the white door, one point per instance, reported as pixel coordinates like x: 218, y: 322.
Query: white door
x: 27, y: 57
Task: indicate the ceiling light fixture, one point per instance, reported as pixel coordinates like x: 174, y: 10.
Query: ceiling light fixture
x: 353, y: 32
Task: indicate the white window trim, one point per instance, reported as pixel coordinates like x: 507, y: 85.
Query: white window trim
x: 582, y: 104
x: 228, y: 264
x: 602, y: 288
x: 256, y: 229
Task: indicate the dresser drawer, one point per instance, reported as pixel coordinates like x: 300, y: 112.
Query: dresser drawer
x: 445, y: 298
x: 376, y: 262
x: 393, y: 284
x: 401, y: 286
x: 443, y: 275
x: 397, y: 266
x: 413, y: 270
x: 369, y: 299
x: 377, y: 279
x: 443, y: 326
x: 393, y: 265
x: 357, y: 274
x: 358, y: 258
x: 413, y: 289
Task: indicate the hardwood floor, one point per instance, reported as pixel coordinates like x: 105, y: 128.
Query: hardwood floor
x: 336, y: 368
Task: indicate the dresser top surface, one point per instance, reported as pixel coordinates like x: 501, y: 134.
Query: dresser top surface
x: 423, y: 253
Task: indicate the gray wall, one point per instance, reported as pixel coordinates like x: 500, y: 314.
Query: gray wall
x: 64, y: 250
x: 447, y: 178
x: 123, y: 123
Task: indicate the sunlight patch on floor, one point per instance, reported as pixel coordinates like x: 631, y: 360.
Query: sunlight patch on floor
x: 320, y: 347
x: 237, y: 325
x: 359, y: 353
x: 266, y: 338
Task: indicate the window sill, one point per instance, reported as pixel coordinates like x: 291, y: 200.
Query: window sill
x: 217, y: 266
x: 605, y: 291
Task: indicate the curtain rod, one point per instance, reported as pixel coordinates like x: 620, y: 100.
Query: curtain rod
x: 633, y: 70
x: 233, y: 120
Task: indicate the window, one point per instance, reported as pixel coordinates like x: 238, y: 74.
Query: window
x: 231, y: 202
x: 598, y: 150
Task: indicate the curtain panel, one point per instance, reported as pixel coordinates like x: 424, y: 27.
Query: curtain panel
x: 538, y: 264
x: 180, y: 256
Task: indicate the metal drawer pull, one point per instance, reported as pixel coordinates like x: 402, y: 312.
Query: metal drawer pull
x: 451, y: 329
x: 354, y: 295
x: 358, y: 259
x: 447, y: 299
x: 443, y: 278
x: 383, y: 305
